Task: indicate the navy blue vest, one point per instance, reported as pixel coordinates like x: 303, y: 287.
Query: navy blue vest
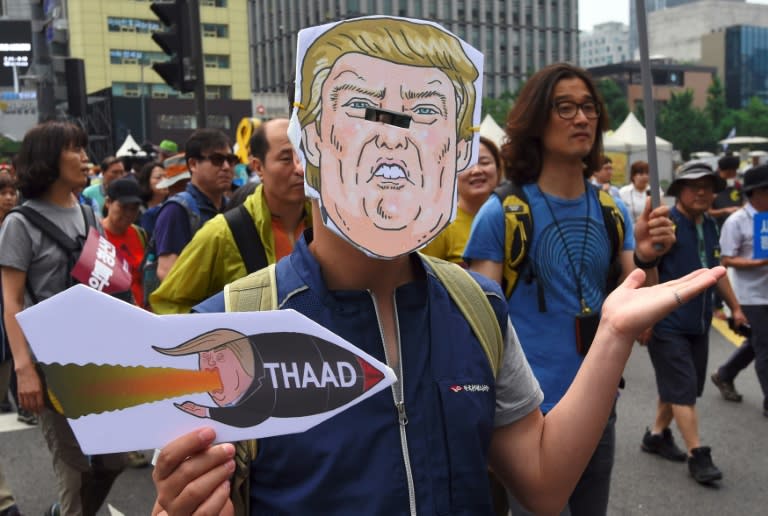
x: 694, y: 317
x: 353, y: 463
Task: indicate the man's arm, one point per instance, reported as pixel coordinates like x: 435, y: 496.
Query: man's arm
x: 488, y: 268
x: 172, y: 233
x: 738, y: 262
x: 723, y: 212
x: 654, y: 237
x: 164, y: 265
x: 541, y: 458
x: 485, y: 246
x: 726, y: 292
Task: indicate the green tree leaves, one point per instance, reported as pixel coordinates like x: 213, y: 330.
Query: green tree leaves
x: 688, y: 128
x: 614, y: 101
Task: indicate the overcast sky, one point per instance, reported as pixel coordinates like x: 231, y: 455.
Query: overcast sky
x: 592, y: 12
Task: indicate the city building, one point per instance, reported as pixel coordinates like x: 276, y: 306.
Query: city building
x: 18, y: 102
x: 516, y: 37
x: 608, y: 43
x: 650, y: 6
x: 740, y: 54
x: 668, y: 78
x: 114, y: 40
x: 676, y: 32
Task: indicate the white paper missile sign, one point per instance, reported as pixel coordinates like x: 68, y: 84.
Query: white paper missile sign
x: 127, y: 379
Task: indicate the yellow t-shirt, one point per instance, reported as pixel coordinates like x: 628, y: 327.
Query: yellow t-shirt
x: 450, y: 243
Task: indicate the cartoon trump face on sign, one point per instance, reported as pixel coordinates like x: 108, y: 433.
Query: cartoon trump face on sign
x: 386, y: 118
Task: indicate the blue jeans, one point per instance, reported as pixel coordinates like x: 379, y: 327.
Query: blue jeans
x: 590, y: 496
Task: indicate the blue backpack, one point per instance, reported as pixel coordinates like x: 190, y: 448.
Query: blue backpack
x: 149, y: 277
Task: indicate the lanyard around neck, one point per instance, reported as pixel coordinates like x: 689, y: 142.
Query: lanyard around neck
x: 571, y: 261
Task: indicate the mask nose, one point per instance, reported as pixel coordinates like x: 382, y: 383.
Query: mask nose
x: 391, y: 137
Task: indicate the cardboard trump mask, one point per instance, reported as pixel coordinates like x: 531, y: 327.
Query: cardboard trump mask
x: 386, y: 116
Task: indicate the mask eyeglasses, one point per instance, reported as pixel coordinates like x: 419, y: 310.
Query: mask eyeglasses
x: 567, y: 110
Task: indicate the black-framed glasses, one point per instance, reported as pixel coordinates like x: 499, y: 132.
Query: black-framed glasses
x: 217, y: 159
x: 567, y: 109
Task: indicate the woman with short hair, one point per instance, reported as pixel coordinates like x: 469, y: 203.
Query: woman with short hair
x: 52, y: 163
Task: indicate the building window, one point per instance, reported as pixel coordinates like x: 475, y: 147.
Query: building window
x: 128, y: 89
x: 132, y: 25
x: 218, y: 92
x: 135, y: 57
x: 216, y: 61
x: 162, y: 91
x: 177, y: 122
x: 219, y: 122
x: 213, y: 3
x: 215, y: 30
x: 432, y: 9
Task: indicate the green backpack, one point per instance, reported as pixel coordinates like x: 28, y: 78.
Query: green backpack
x: 258, y: 292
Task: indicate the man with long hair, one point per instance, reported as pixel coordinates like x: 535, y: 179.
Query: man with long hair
x: 554, y: 142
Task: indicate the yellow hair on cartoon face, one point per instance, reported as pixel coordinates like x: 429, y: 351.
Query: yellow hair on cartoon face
x: 398, y: 41
x: 214, y: 340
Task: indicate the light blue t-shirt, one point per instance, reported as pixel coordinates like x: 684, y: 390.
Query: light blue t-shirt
x: 95, y: 194
x: 548, y: 338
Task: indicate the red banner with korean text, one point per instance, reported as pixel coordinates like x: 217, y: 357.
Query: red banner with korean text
x: 101, y: 265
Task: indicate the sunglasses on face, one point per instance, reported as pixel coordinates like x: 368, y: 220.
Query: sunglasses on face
x: 217, y: 159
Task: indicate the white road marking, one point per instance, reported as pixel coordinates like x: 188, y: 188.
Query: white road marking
x: 8, y: 423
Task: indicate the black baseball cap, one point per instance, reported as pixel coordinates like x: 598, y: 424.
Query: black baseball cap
x: 125, y: 190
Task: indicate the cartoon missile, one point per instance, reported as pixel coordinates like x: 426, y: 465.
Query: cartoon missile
x: 275, y: 375
x: 249, y: 379
x: 247, y: 375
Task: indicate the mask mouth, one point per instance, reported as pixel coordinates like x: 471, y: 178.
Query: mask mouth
x: 390, y: 173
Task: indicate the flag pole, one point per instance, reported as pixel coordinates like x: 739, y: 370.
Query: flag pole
x: 648, y: 106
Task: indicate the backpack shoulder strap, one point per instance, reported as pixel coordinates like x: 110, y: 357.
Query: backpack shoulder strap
x: 474, y: 305
x: 90, y: 220
x: 245, y: 453
x: 518, y: 230
x: 189, y: 203
x: 141, y: 232
x: 247, y: 238
x: 50, y: 229
x: 613, y: 220
x: 255, y: 292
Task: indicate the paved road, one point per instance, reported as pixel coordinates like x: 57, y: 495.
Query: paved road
x: 643, y: 484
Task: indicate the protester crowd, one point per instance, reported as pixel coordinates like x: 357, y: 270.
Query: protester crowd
x: 187, y: 230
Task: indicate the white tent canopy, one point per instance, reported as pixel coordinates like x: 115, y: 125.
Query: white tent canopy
x: 632, y: 132
x: 743, y: 140
x: 491, y: 130
x: 130, y: 148
x: 630, y: 139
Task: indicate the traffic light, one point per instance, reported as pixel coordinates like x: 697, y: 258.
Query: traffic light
x: 176, y: 41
